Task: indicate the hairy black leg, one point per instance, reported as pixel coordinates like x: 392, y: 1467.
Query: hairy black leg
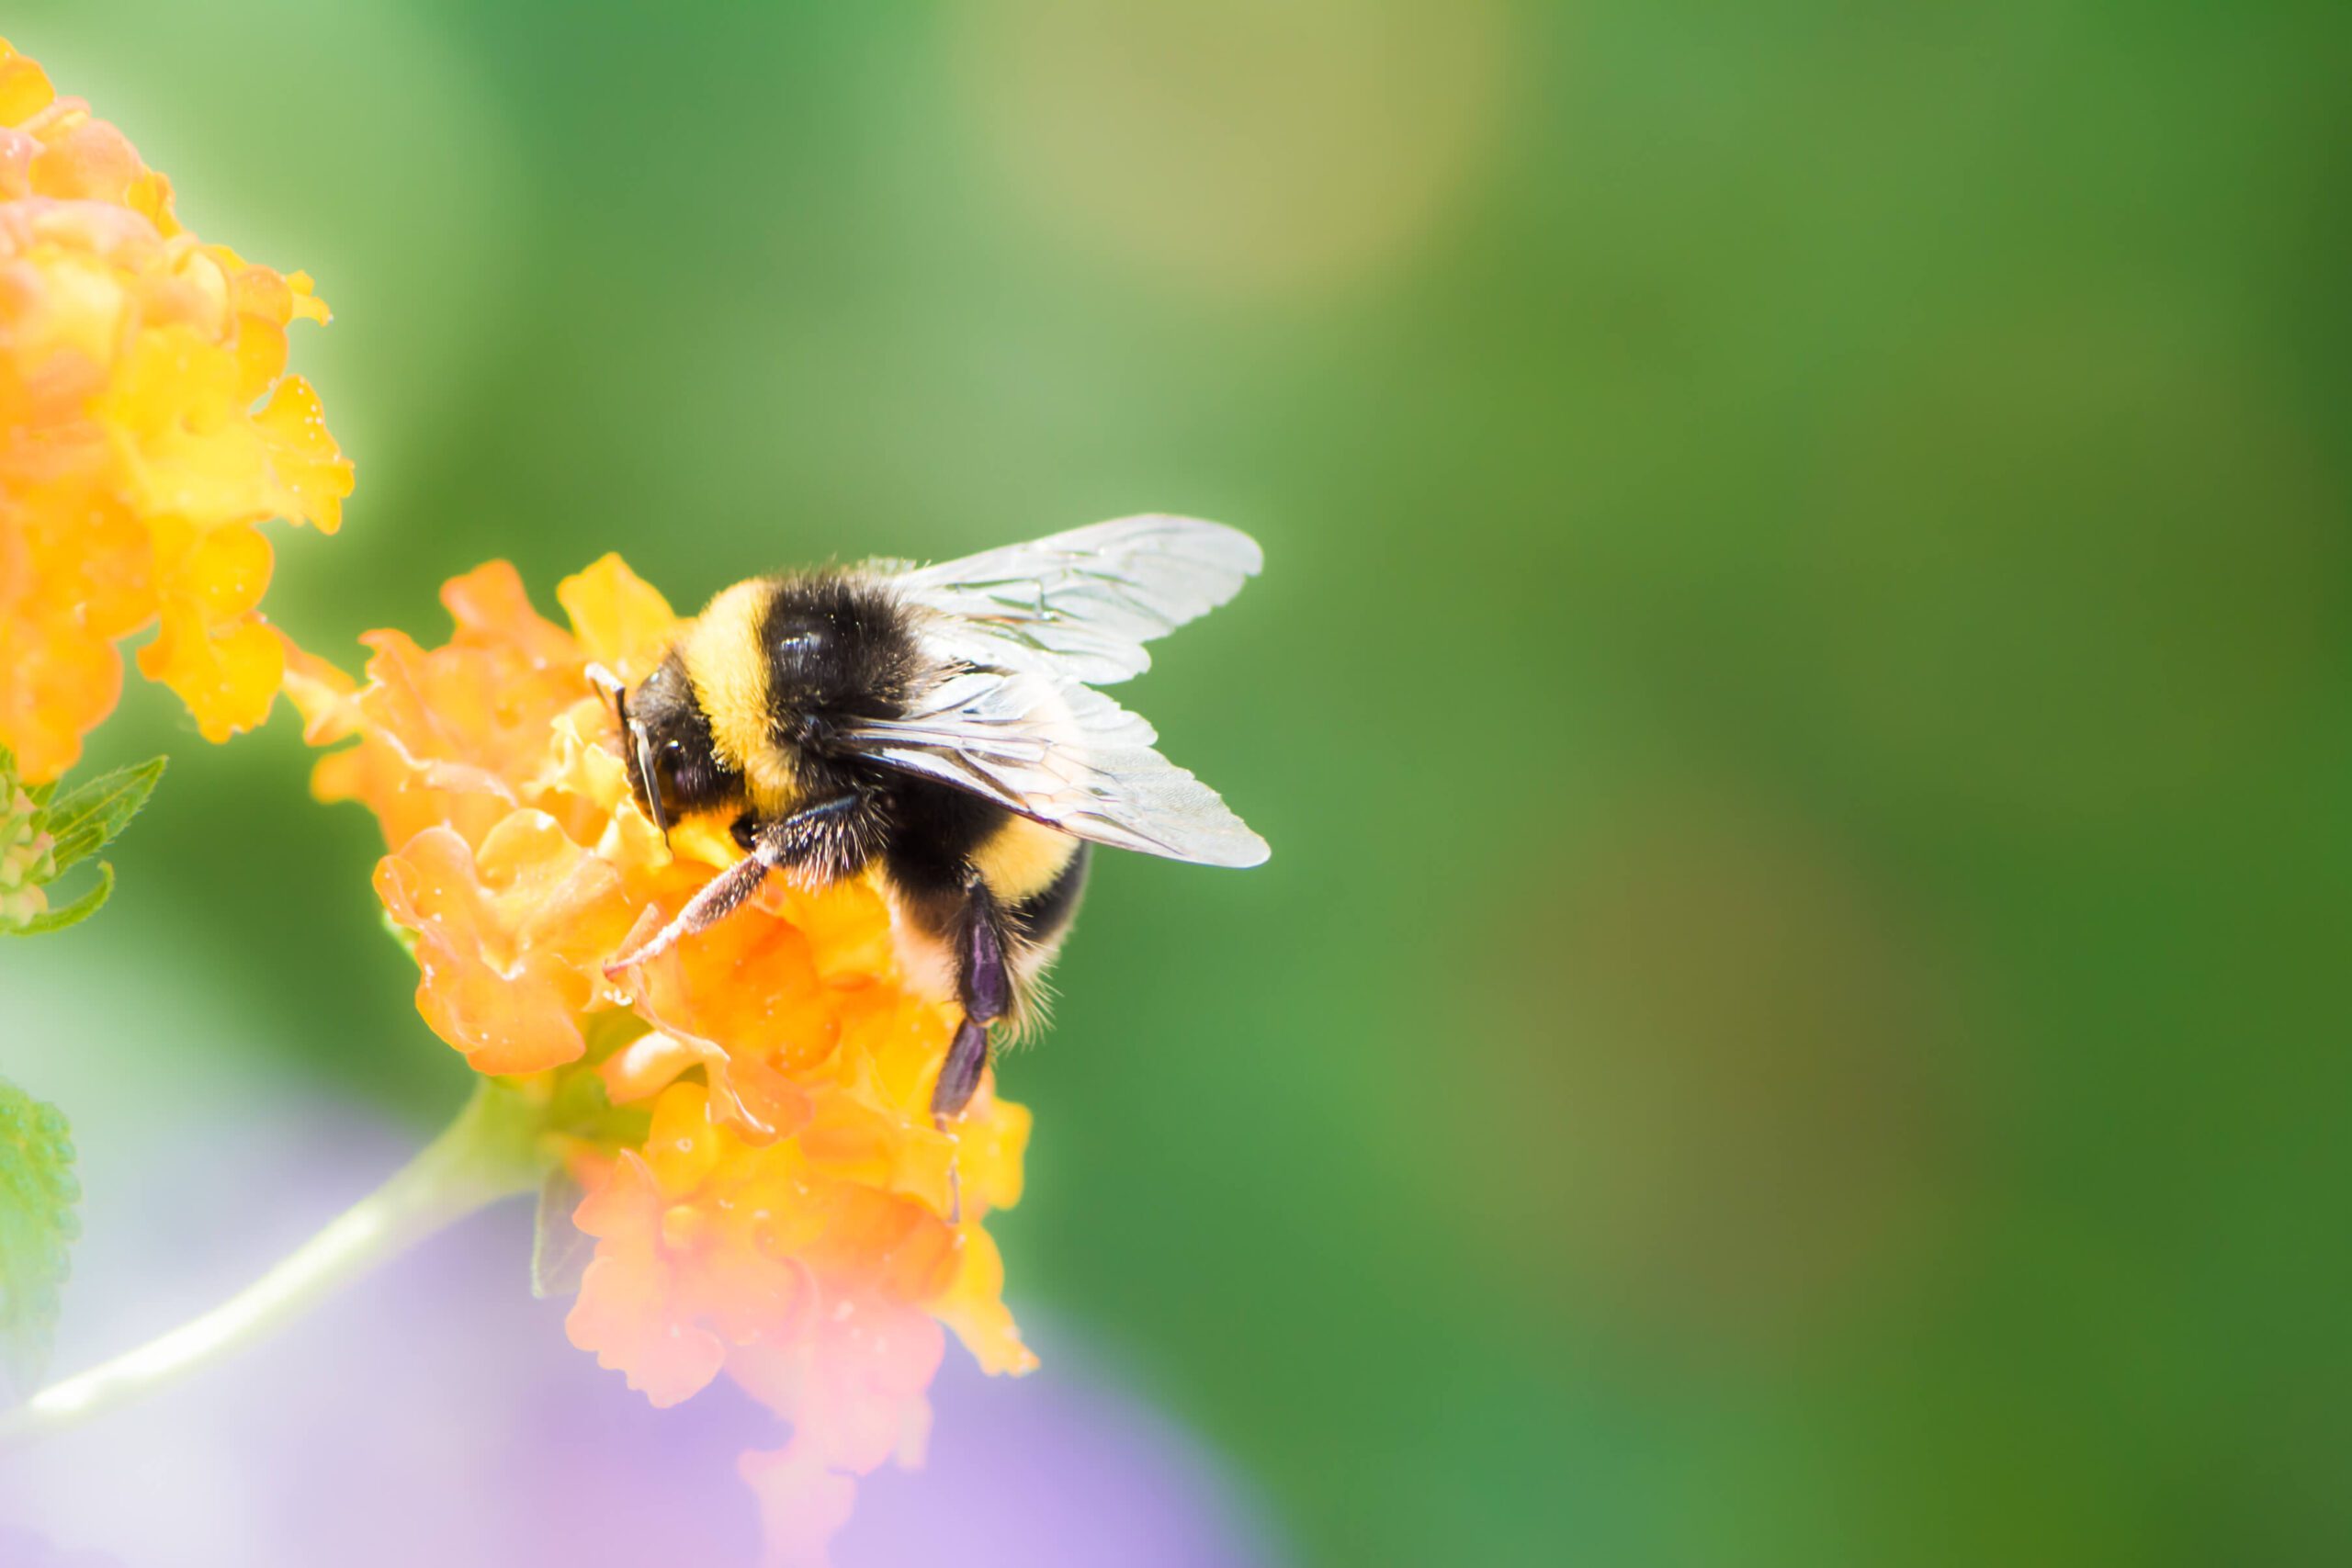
x: 824, y: 836
x: 959, y: 1074
x: 984, y: 981
x: 826, y: 842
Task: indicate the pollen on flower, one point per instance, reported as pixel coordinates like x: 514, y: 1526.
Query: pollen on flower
x: 775, y: 1205
x: 147, y: 423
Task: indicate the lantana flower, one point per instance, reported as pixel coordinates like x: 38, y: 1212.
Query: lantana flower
x: 747, y: 1116
x: 147, y: 425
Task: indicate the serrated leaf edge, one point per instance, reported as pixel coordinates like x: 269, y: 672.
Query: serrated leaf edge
x: 94, y: 814
x: 69, y: 914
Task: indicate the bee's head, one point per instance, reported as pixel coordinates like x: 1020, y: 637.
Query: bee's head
x: 673, y: 767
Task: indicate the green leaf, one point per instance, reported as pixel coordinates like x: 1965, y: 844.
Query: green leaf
x: 87, y: 817
x: 70, y: 914
x: 38, y: 1225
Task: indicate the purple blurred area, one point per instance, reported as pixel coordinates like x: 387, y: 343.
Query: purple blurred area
x: 435, y: 1413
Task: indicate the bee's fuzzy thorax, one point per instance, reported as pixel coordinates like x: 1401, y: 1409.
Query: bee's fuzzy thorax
x: 730, y: 686
x: 779, y: 663
x: 838, y: 643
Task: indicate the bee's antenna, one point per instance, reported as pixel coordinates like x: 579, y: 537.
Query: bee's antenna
x: 613, y: 686
x: 645, y: 771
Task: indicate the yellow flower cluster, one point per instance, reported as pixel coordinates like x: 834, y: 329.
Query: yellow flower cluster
x: 147, y: 424
x: 770, y: 1199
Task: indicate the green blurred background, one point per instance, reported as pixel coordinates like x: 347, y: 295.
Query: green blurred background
x: 1800, y: 690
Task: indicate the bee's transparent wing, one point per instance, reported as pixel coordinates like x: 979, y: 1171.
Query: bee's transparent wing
x: 1084, y: 602
x: 1064, y: 755
x: 1023, y: 630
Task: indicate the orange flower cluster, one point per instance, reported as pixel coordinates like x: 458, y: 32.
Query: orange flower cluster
x: 146, y: 425
x: 769, y: 1196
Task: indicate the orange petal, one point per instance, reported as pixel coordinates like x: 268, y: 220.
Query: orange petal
x: 506, y: 939
x: 24, y: 88
x: 227, y: 678
x: 56, y: 683
x: 750, y: 981
x: 260, y: 351
x: 312, y: 474
x: 974, y: 1307
x: 90, y: 161
x: 853, y: 1389
x: 491, y: 610
x: 621, y: 621
x: 760, y: 1101
x: 321, y: 693
x: 626, y: 1312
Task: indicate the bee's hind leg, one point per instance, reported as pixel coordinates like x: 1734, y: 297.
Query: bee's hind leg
x: 959, y: 1074
x: 984, y: 982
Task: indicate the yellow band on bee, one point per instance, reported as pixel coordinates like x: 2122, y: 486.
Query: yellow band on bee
x: 1022, y: 859
x: 720, y: 653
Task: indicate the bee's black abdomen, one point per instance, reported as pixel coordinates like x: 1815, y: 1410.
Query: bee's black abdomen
x: 839, y: 650
x: 933, y: 832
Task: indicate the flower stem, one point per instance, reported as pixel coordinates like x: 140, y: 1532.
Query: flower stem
x: 490, y: 1151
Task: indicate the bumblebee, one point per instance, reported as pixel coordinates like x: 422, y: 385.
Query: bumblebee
x: 939, y: 726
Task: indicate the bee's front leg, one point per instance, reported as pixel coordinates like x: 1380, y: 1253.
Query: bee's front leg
x: 830, y: 840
